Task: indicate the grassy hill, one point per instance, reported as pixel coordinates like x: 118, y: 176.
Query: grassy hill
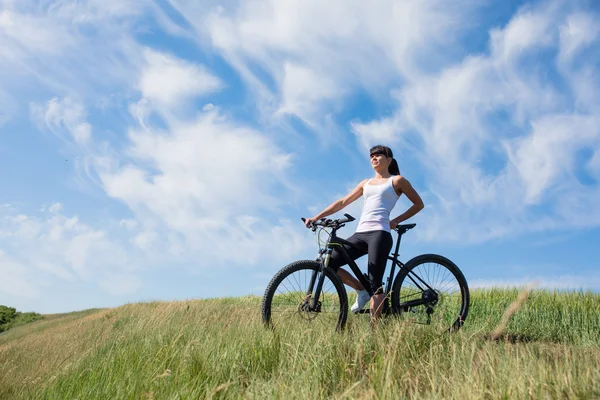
x: 549, y: 348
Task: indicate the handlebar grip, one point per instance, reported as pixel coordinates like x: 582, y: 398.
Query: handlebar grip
x: 350, y: 217
x: 311, y: 226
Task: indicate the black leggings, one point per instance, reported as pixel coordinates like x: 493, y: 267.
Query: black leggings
x: 375, y: 243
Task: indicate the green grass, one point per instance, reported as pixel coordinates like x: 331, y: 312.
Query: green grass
x: 550, y: 348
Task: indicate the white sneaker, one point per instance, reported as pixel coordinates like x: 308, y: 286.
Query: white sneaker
x: 362, y: 298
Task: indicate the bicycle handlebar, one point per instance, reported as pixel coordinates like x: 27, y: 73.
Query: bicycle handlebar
x: 328, y: 223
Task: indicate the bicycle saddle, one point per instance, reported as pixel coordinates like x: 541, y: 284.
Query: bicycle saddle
x: 401, y: 229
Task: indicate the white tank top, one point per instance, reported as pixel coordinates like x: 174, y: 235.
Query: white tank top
x: 378, y: 203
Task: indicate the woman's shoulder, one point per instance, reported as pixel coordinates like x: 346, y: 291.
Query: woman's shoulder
x: 398, y: 184
x: 398, y: 178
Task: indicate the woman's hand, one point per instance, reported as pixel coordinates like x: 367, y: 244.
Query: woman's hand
x: 393, y: 223
x: 308, y: 221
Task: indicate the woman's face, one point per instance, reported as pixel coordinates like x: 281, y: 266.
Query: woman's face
x: 379, y: 162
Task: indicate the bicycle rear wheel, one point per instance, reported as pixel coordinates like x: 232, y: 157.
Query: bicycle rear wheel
x: 287, y: 301
x: 431, y: 289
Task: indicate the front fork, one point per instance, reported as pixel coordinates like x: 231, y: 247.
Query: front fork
x: 320, y: 273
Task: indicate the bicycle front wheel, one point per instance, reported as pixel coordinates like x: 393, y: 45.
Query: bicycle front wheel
x: 431, y: 289
x: 288, y: 299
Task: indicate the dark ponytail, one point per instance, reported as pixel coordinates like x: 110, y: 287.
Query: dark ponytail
x: 386, y: 151
x: 393, y: 168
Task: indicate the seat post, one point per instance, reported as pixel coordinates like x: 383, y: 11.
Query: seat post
x: 396, y: 254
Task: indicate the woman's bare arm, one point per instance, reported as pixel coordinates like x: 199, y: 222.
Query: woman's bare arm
x: 339, y: 204
x: 403, y: 185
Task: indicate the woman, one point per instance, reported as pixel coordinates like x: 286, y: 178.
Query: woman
x: 373, y: 232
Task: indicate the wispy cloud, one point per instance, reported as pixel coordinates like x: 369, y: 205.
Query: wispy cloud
x: 304, y: 58
x: 72, y: 48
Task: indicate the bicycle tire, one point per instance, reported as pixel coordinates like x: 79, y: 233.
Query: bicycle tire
x: 415, y: 264
x: 308, y: 267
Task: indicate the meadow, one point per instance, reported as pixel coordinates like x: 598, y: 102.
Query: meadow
x: 549, y: 347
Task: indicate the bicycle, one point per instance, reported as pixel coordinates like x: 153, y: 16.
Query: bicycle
x: 325, y: 295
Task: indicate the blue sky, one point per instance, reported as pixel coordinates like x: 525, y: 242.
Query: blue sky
x: 161, y: 150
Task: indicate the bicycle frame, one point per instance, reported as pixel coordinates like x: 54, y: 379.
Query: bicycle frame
x: 335, y: 241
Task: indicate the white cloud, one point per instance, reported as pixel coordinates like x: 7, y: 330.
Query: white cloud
x: 37, y: 249
x: 196, y: 187
x: 302, y: 89
x: 24, y: 34
x: 545, y: 158
x: 380, y: 131
x: 342, y: 46
x: 201, y: 167
x: 170, y: 81
x: 55, y: 208
x: 528, y: 30
x: 64, y: 115
x: 204, y: 180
